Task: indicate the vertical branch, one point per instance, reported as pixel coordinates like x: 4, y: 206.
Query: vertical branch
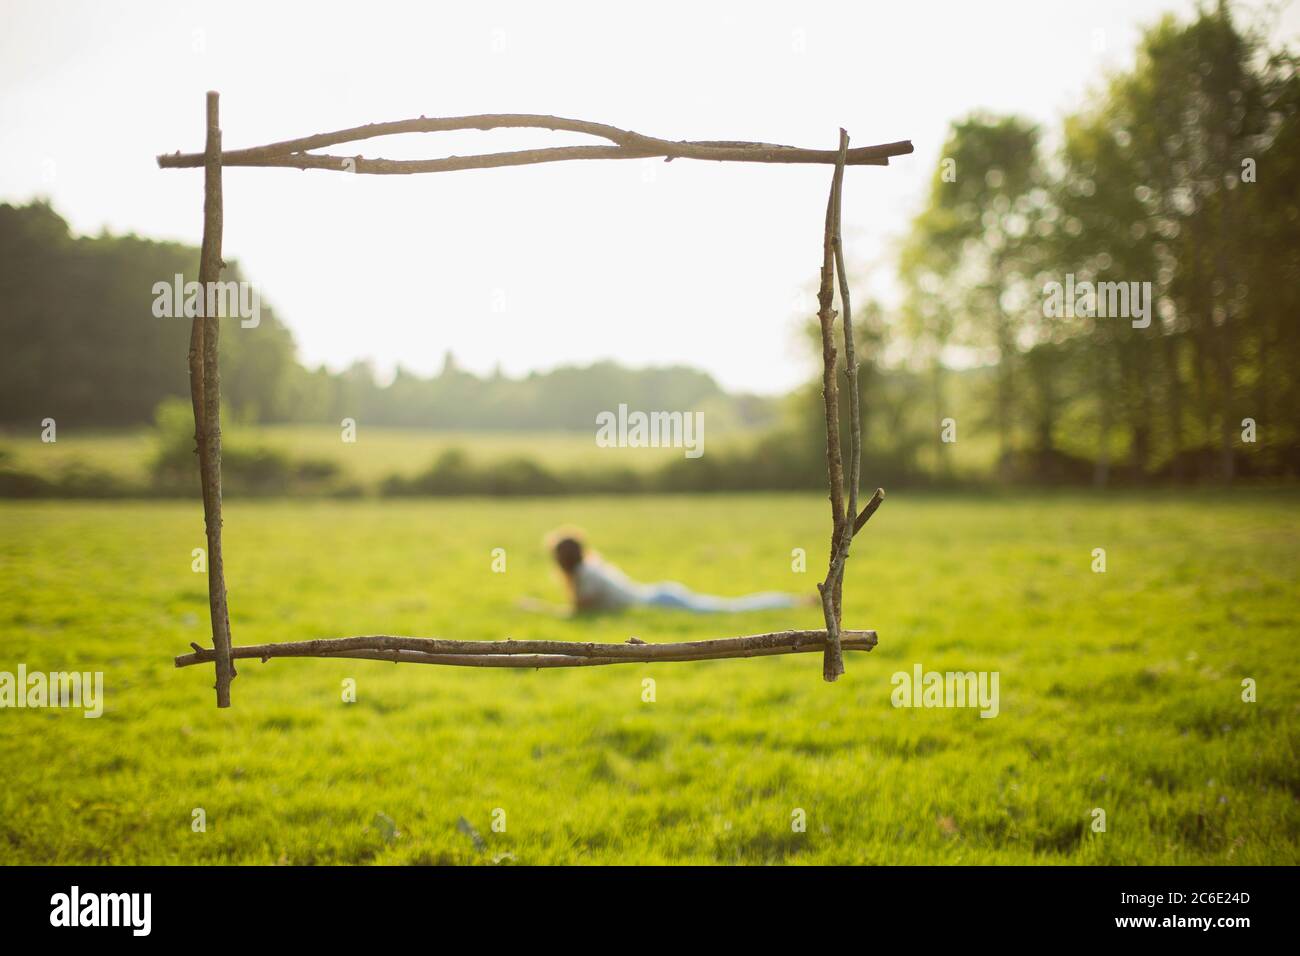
x: 832, y: 659
x: 205, y: 391
x: 851, y: 371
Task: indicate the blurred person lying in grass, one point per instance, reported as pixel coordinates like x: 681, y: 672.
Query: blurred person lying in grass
x: 596, y: 585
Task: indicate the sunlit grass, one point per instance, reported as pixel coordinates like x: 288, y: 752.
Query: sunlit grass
x: 1119, y: 691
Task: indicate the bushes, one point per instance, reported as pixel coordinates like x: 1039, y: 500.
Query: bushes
x: 768, y: 466
x: 256, y: 470
x: 452, y: 473
x: 76, y: 480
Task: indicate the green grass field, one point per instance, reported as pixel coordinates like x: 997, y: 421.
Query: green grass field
x: 1120, y: 691
x: 379, y: 451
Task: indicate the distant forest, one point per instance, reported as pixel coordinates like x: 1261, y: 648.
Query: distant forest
x: 81, y: 343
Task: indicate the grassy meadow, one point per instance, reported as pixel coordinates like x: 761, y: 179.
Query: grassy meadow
x: 1119, y: 690
x: 380, y: 451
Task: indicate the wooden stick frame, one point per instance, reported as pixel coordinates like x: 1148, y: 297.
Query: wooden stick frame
x: 205, y: 392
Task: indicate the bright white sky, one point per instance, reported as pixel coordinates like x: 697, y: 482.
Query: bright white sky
x: 647, y: 263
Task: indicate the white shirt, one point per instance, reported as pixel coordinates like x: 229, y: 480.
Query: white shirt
x: 601, y: 586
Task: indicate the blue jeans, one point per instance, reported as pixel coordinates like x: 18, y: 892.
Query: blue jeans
x: 670, y: 594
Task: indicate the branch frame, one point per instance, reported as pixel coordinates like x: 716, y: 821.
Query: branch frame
x: 205, y: 390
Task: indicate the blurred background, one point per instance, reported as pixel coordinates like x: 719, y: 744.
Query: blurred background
x: 474, y: 325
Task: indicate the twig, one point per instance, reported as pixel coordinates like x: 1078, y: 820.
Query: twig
x: 627, y: 145
x: 205, y: 392
x: 851, y: 373
x: 832, y: 660
x: 533, y: 654
x: 869, y: 510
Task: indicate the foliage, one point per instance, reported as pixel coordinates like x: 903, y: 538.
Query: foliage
x: 1180, y: 173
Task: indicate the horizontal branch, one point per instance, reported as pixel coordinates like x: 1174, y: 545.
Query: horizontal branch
x: 533, y: 654
x: 627, y: 145
x: 390, y: 167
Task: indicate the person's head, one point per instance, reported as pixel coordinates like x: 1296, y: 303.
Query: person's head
x: 568, y: 553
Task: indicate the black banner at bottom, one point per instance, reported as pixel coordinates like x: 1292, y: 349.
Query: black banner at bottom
x: 990, y: 904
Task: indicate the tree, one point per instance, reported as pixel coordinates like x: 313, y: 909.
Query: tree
x: 968, y: 261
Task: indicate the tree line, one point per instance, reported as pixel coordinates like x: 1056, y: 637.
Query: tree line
x: 1178, y: 178
x: 84, y: 344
